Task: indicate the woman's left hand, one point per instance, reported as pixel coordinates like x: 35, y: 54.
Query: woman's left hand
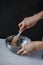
x: 31, y: 47
x: 28, y: 48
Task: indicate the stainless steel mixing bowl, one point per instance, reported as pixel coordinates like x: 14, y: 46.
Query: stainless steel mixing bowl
x: 21, y: 41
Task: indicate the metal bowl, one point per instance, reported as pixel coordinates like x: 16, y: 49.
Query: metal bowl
x: 21, y: 41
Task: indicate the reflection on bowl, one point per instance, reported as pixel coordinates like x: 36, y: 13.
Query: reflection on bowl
x: 20, y: 42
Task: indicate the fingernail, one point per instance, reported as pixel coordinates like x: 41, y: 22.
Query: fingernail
x: 17, y: 52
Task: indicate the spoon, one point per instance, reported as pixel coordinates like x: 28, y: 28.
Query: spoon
x: 15, y: 39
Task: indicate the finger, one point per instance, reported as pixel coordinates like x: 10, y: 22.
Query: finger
x: 20, y: 24
x: 23, y: 53
x: 20, y: 51
x: 22, y: 27
x: 29, y: 53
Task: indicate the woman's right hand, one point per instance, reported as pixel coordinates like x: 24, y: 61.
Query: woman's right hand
x: 29, y: 22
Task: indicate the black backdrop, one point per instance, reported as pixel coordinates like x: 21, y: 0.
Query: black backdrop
x: 13, y: 12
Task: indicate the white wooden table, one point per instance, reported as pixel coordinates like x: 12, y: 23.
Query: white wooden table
x: 9, y: 58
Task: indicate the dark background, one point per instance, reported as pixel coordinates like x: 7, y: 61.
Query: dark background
x: 13, y: 12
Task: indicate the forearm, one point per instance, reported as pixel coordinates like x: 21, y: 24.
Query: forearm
x: 38, y: 16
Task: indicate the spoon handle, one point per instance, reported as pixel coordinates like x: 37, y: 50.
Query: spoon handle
x: 19, y: 34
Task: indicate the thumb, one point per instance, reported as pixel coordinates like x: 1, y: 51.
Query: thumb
x: 20, y: 24
x: 22, y: 28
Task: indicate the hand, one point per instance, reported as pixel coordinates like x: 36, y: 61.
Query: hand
x: 31, y: 47
x: 28, y: 48
x: 29, y: 22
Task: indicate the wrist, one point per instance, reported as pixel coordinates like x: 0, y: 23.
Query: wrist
x: 41, y: 14
x: 38, y: 16
x: 39, y: 45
